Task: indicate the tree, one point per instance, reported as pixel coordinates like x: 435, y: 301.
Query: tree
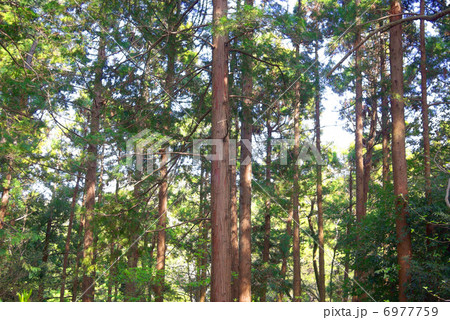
x: 399, y: 152
x: 91, y: 174
x: 220, y: 190
x: 359, y: 160
x: 245, y: 202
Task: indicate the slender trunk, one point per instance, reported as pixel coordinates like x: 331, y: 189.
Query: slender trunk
x: 204, y: 257
x: 332, y: 264
x: 200, y: 253
x: 399, y: 153
x: 45, y: 255
x: 161, y: 243
x: 369, y: 146
x: 266, y: 249
x: 384, y: 112
x: 111, y: 271
x: 163, y: 188
x: 425, y: 125
x: 91, y: 176
x: 68, y: 239
x: 152, y: 249
x: 347, y: 256
x: 204, y: 261
x: 319, y: 185
x: 359, y: 160
x: 234, y: 228
x: 233, y: 191
x: 78, y: 259
x: 245, y: 260
x: 315, y: 246
x: 423, y: 86
x: 130, y: 291
x: 220, y: 184
x: 283, y: 270
x: 297, y: 290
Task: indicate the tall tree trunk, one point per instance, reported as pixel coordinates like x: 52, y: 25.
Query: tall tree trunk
x: 297, y: 278
x: 234, y: 89
x: 296, y: 230
x: 68, y: 239
x: 399, y: 153
x: 425, y: 125
x: 220, y: 184
x: 91, y: 177
x: 163, y: 188
x: 370, y: 145
x: 266, y: 249
x: 245, y: 259
x: 359, y: 160
x: 162, y: 218
x: 319, y: 185
x: 234, y: 227
x: 45, y: 255
x: 384, y: 113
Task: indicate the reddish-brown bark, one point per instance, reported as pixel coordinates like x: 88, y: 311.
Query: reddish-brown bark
x: 220, y: 184
x: 91, y: 177
x: 245, y: 200
x: 399, y: 152
x: 234, y: 228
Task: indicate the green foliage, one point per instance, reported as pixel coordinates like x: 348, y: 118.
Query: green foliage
x: 24, y: 296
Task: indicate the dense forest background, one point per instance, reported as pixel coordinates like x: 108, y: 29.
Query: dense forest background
x: 106, y: 105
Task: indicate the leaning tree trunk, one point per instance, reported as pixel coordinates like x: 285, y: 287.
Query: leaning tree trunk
x: 220, y: 188
x: 399, y: 153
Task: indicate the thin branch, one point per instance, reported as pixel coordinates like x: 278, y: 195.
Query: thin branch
x: 386, y: 27
x: 258, y: 59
